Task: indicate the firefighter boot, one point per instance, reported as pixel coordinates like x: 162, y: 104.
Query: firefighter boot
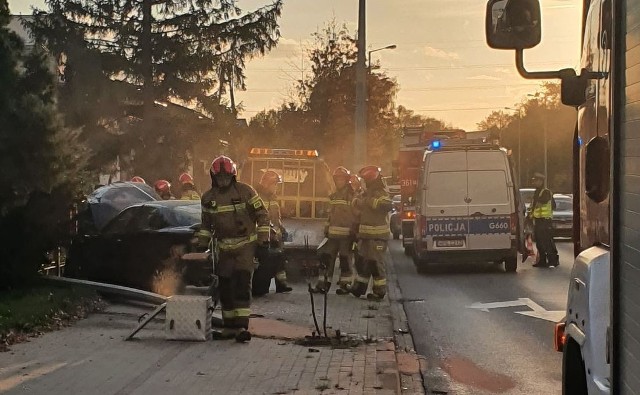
x: 224, y: 334
x: 243, y: 336
x: 358, y: 289
x: 282, y: 287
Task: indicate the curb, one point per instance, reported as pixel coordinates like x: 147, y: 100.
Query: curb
x: 410, y: 364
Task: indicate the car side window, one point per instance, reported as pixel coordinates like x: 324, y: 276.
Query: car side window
x: 147, y: 218
x: 120, y: 224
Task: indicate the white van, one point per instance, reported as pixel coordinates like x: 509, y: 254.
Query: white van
x: 468, y: 208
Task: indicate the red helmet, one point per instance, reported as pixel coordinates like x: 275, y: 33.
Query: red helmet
x: 341, y: 172
x: 138, y: 179
x: 185, y: 178
x: 162, y: 186
x: 223, y: 164
x: 370, y: 173
x: 269, y: 178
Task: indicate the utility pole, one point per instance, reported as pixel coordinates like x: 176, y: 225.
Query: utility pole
x: 147, y: 62
x: 360, y: 137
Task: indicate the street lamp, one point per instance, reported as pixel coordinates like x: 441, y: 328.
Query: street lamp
x: 393, y: 46
x: 519, y: 110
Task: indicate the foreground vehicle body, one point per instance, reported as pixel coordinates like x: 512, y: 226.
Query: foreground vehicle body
x: 600, y: 335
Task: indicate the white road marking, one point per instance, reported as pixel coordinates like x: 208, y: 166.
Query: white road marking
x: 537, y: 310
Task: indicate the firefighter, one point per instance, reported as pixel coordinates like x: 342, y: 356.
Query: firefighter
x: 188, y: 188
x: 542, y: 214
x: 273, y: 264
x: 338, y: 234
x: 373, y: 233
x: 138, y: 179
x: 163, y: 188
x: 358, y: 190
x: 235, y: 217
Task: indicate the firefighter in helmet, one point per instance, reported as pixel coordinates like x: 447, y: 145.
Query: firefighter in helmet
x: 373, y: 232
x: 188, y: 187
x: 235, y: 217
x: 273, y: 264
x: 138, y: 179
x: 339, y: 234
x: 163, y: 188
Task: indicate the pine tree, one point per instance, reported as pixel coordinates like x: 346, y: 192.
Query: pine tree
x: 136, y: 53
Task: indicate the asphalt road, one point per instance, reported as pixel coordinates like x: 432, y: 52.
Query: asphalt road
x: 471, y: 351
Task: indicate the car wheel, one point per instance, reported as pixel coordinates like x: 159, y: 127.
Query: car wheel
x: 574, y: 378
x: 396, y: 236
x: 511, y: 264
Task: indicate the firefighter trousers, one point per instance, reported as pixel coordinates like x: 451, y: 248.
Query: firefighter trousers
x: 235, y: 269
x: 332, y: 249
x: 370, y: 263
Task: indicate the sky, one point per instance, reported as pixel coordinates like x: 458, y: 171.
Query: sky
x: 442, y: 64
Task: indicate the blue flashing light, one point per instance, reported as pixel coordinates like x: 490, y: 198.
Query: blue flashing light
x: 579, y: 141
x: 436, y: 144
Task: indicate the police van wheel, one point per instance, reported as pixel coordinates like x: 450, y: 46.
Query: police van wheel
x: 511, y: 265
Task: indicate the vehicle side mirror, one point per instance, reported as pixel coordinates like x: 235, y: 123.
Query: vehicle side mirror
x: 513, y: 24
x: 574, y: 87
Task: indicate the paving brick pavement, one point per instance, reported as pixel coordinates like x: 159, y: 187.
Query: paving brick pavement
x: 92, y: 358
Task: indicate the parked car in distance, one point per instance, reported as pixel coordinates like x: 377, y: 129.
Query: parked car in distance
x: 142, y: 247
x: 395, y: 220
x: 563, y: 216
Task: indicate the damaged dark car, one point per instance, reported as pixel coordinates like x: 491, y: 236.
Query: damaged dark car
x: 143, y: 247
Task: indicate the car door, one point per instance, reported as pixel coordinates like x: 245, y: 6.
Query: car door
x: 108, y: 251
x: 489, y: 200
x: 445, y: 203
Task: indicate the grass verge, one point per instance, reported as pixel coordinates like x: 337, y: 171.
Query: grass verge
x: 26, y: 313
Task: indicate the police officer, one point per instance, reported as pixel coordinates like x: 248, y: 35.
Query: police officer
x: 339, y: 234
x: 373, y: 233
x: 274, y: 263
x: 542, y: 214
x: 188, y: 188
x: 235, y: 216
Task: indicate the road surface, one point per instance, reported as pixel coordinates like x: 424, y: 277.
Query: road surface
x: 484, y: 331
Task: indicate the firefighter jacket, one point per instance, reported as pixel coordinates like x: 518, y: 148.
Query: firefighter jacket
x: 190, y: 194
x: 273, y: 207
x: 235, y: 216
x: 374, y: 206
x: 542, y: 207
x: 342, y: 218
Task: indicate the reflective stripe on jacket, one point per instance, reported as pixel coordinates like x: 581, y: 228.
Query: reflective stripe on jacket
x: 236, y: 213
x: 341, y: 214
x: 374, y: 208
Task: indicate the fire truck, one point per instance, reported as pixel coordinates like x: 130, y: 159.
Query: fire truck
x: 304, y: 195
x: 415, y: 140
x: 600, y: 334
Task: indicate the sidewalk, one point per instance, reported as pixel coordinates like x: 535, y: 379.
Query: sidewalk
x: 92, y: 358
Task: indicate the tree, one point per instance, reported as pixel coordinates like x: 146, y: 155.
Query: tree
x: 542, y: 115
x: 124, y: 59
x: 41, y: 162
x: 329, y: 99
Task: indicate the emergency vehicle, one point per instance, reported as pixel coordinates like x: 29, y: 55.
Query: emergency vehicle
x: 304, y: 193
x: 600, y: 334
x: 468, y: 207
x: 407, y: 167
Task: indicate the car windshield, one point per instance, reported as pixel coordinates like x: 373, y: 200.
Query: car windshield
x: 564, y: 204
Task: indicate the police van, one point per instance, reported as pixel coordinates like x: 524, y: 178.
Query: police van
x: 468, y: 207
